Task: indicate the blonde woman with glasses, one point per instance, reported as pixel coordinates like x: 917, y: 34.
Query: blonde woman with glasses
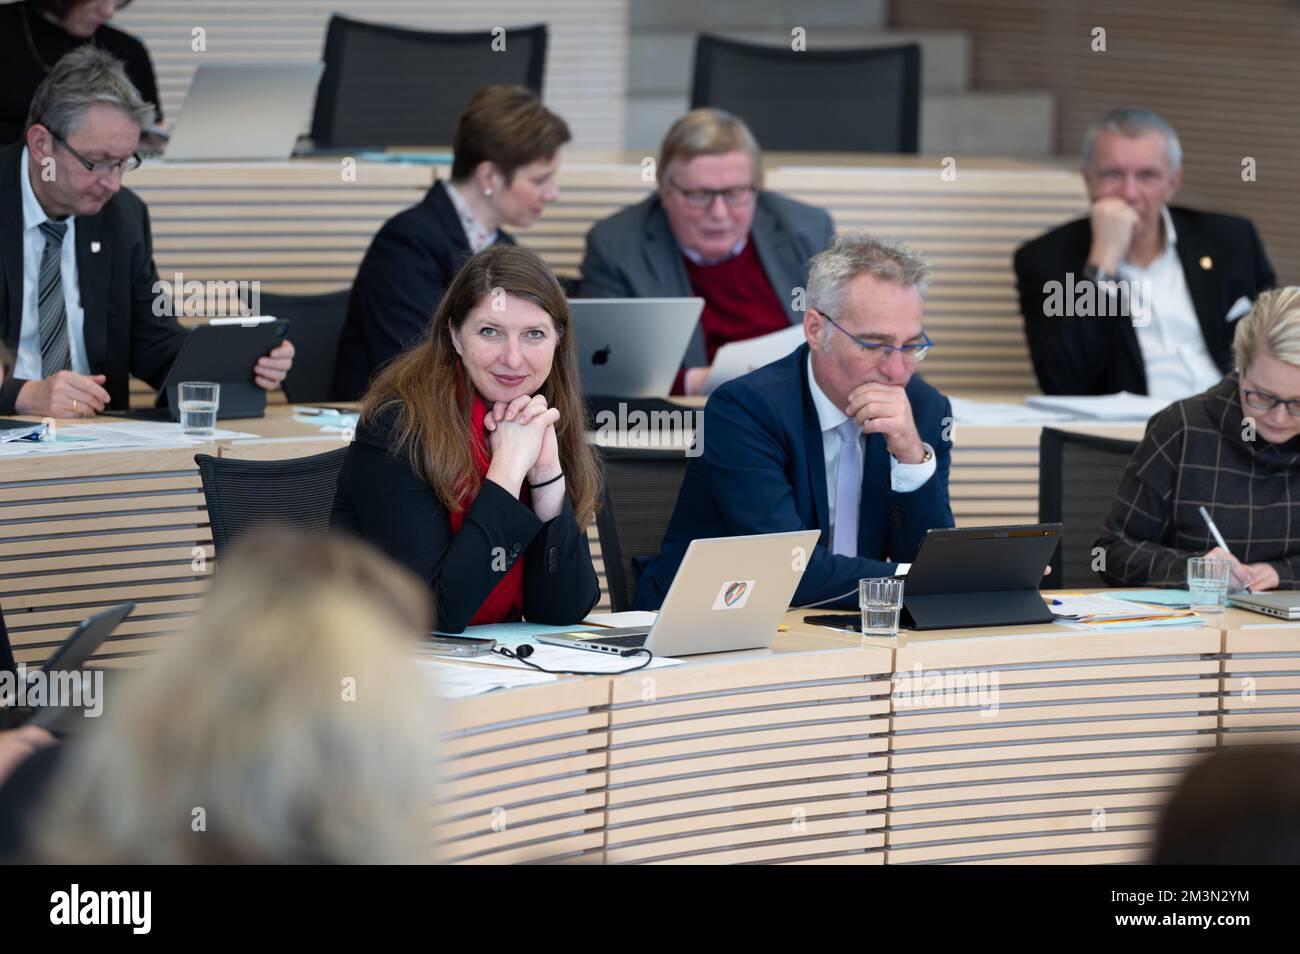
x: 1232, y: 450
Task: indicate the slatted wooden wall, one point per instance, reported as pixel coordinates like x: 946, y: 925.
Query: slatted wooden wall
x: 1224, y: 75
x: 586, y: 69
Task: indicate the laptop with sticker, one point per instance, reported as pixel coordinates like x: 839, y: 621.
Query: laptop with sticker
x: 729, y: 593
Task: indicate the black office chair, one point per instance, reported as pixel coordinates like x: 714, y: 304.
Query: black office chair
x: 390, y: 86
x: 1078, y: 475
x: 861, y: 100
x: 640, y: 492
x: 317, y: 323
x: 297, y: 493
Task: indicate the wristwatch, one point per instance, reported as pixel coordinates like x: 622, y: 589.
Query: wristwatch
x: 1094, y: 274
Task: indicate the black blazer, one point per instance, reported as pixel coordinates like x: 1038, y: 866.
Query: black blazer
x: 380, y: 499
x: 398, y: 286
x: 6, y: 651
x: 123, y: 335
x: 1101, y: 355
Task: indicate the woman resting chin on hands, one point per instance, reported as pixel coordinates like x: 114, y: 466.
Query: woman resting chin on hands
x: 470, y: 464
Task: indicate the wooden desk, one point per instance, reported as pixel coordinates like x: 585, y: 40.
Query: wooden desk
x: 821, y: 752
x: 85, y: 529
x: 302, y: 227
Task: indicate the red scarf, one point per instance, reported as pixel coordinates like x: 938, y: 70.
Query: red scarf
x: 506, y: 601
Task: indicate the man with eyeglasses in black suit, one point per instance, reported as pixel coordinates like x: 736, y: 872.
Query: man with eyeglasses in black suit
x: 78, y: 284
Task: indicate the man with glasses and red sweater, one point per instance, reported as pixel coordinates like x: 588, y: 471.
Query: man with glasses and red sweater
x: 711, y: 231
x: 841, y: 435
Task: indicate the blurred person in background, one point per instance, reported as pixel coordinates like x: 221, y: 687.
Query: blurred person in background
x: 36, y: 34
x: 1236, y: 807
x: 291, y: 726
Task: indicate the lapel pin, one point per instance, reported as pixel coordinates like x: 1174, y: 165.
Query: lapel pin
x: 94, y: 248
x: 1207, y: 263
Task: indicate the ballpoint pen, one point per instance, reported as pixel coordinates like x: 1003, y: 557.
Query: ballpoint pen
x: 1218, y: 537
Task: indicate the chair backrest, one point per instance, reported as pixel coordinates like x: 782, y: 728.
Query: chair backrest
x: 858, y: 100
x: 317, y: 324
x: 1078, y: 475
x: 390, y: 86
x: 297, y: 493
x: 640, y: 493
x: 6, y: 651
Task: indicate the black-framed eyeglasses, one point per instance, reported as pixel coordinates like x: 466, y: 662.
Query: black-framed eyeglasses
x: 703, y: 198
x: 913, y: 351
x: 1263, y: 401
x: 104, y: 166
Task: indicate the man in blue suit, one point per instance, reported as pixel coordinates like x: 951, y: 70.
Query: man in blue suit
x: 840, y: 435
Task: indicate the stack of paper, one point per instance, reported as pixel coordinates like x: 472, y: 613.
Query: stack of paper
x: 966, y: 411
x: 1102, y: 612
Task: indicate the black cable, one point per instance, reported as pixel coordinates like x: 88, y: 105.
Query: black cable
x: 521, y: 656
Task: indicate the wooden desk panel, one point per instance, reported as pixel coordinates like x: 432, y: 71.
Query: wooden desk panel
x: 1261, y: 680
x: 302, y: 227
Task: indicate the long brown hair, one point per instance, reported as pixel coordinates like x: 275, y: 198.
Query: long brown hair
x: 428, y: 388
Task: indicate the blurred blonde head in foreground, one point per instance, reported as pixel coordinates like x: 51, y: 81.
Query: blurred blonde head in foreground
x: 291, y: 726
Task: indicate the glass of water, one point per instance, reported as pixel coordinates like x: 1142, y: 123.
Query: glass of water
x: 880, y: 601
x: 199, y: 401
x: 1207, y: 584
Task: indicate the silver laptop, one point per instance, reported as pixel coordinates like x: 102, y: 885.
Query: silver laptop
x: 244, y: 111
x: 729, y: 593
x: 1285, y: 605
x: 632, y: 347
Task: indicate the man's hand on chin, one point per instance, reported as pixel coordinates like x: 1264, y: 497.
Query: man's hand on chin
x: 64, y: 395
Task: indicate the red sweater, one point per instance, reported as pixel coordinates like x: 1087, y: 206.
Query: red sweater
x: 739, y: 301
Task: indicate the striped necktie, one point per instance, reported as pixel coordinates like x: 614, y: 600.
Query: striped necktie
x: 55, y: 353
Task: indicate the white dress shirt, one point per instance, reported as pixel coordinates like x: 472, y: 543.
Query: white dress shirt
x: 903, y: 478
x: 1178, y: 364
x: 27, y: 363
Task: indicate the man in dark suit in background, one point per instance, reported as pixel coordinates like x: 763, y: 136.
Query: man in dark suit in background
x: 710, y: 231
x: 77, y: 278
x: 1139, y: 296
x: 840, y: 436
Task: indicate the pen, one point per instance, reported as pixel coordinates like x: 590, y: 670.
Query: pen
x: 1218, y: 537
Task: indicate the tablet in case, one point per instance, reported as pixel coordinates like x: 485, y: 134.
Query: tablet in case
x: 224, y: 351
x: 980, y: 576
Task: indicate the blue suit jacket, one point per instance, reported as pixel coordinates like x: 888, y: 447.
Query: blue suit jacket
x: 762, y: 470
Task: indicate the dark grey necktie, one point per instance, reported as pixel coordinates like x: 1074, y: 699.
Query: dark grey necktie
x: 55, y: 353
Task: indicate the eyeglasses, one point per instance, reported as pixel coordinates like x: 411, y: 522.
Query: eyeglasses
x: 1263, y: 401
x: 104, y: 166
x: 735, y: 197
x: 912, y: 352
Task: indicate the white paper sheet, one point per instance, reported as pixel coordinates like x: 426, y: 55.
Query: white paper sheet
x: 457, y: 681
x: 738, y: 358
x: 1105, y: 407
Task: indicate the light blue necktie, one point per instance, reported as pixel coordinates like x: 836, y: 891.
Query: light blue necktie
x: 848, y: 490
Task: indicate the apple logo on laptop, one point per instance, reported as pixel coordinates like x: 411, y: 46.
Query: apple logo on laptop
x: 601, y: 356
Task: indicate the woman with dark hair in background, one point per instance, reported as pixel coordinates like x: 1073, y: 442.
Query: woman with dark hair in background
x: 471, y: 464
x: 35, y: 34
x: 506, y: 149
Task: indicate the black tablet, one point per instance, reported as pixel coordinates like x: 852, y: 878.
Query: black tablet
x: 980, y: 576
x: 222, y: 351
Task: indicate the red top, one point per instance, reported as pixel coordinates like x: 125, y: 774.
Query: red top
x: 739, y: 301
x: 506, y: 601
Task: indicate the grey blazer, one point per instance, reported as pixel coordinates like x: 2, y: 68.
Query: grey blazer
x: 632, y: 254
